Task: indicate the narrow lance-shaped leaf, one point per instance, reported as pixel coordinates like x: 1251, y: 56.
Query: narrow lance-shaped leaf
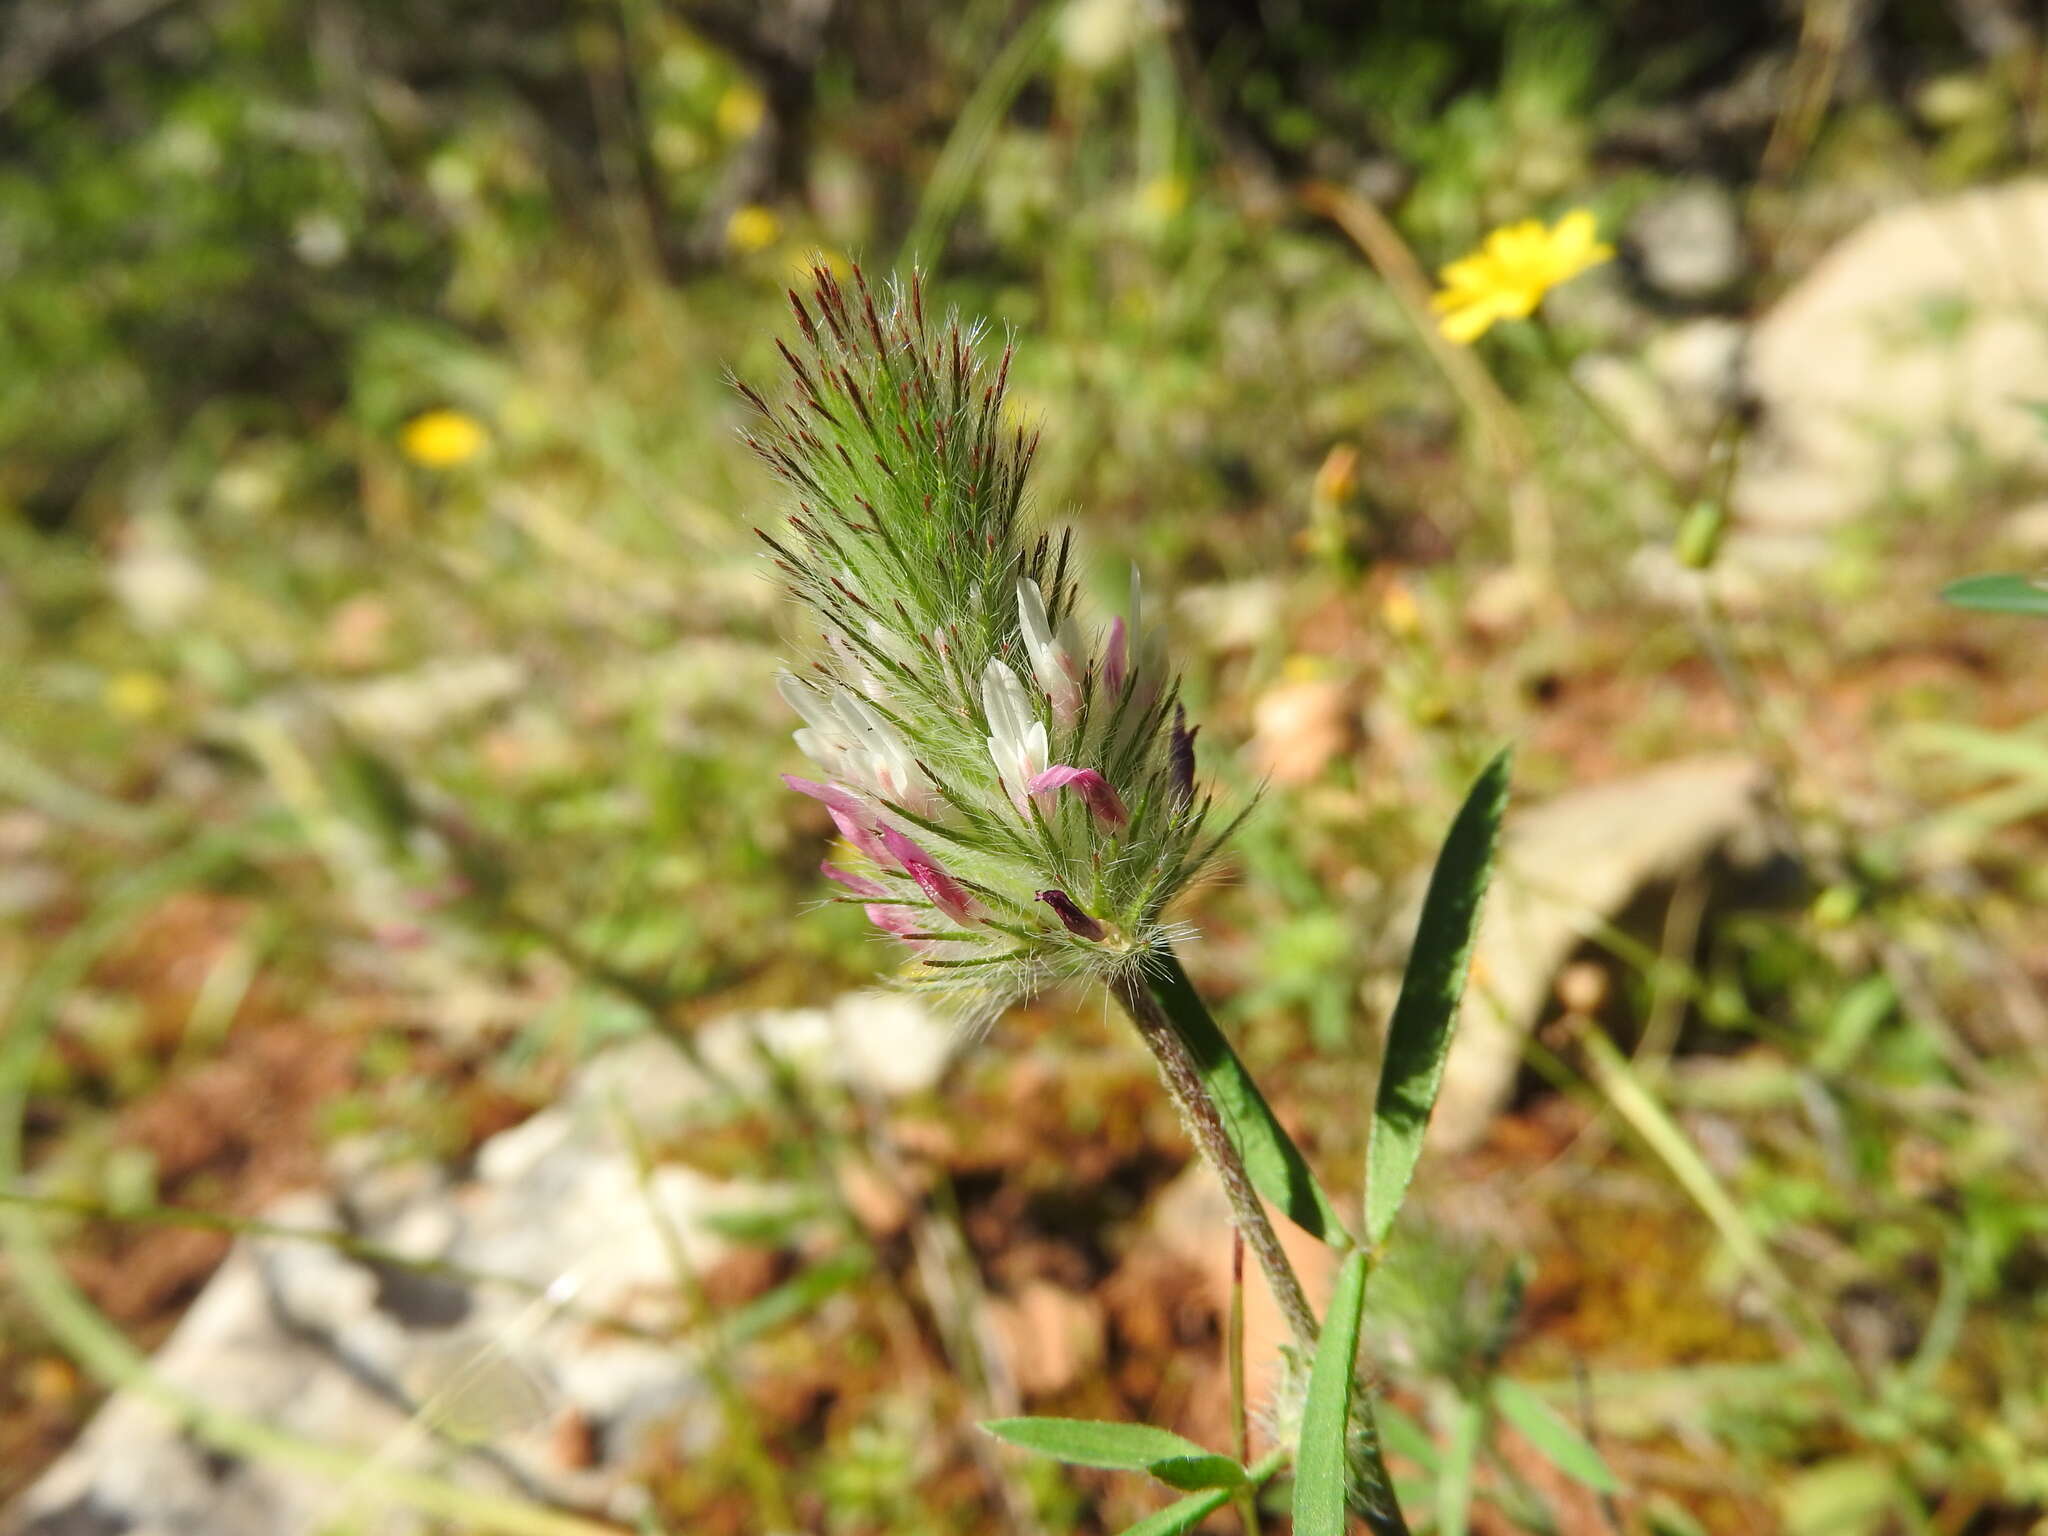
x: 1568, y: 1450
x: 1276, y: 1167
x: 1420, y: 1036
x: 2004, y: 593
x: 1320, y: 1461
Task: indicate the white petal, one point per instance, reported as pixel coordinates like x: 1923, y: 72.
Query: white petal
x: 889, y: 643
x: 822, y: 750
x: 1031, y: 618
x: 1005, y: 702
x: 804, y: 699
x: 855, y: 664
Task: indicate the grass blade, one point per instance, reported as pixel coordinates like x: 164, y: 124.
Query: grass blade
x: 1564, y: 1447
x: 1454, y: 1471
x: 1420, y: 1036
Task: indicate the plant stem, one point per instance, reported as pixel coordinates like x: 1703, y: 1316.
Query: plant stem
x: 1233, y: 1353
x: 1712, y: 630
x: 1680, y: 494
x: 1150, y: 995
x: 1503, y: 436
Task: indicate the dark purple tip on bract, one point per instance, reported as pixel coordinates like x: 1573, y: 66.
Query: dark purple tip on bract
x: 1181, y: 757
x: 1079, y: 923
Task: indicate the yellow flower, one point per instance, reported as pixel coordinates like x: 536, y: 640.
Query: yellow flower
x: 442, y: 439
x: 739, y: 111
x: 752, y: 228
x: 1399, y: 611
x: 1162, y: 197
x: 136, y: 695
x: 1508, y: 276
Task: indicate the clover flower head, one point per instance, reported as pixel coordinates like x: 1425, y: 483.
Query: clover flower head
x: 1017, y: 790
x: 1508, y: 276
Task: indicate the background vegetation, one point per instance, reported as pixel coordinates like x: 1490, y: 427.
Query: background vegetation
x: 494, y: 736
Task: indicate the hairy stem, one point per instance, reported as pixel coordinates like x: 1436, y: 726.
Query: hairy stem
x: 1151, y: 997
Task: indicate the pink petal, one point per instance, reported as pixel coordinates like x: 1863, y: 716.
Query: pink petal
x: 1116, y: 656
x: 943, y: 890
x: 860, y: 885
x: 1096, y: 792
x: 831, y: 795
x: 860, y: 834
x: 901, y: 921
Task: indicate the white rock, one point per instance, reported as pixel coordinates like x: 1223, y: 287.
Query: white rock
x: 422, y: 1371
x: 1902, y: 359
x: 1688, y: 243
x: 1699, y: 364
x: 892, y: 1043
x: 1094, y: 34
x: 154, y: 577
x: 2026, y: 528
x: 1233, y: 615
x: 430, y: 698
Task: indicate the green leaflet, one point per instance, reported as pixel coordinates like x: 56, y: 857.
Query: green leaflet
x: 1420, y: 1036
x: 1092, y: 1443
x: 1454, y: 1472
x: 1320, y: 1461
x: 1184, y: 1516
x: 1189, y: 1473
x: 1276, y: 1167
x: 1191, y: 1511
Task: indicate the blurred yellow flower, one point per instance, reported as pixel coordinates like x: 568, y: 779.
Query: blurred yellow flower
x: 1399, y: 611
x: 136, y: 695
x: 1161, y: 198
x: 442, y: 439
x: 1507, y: 277
x: 739, y: 111
x: 752, y: 228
